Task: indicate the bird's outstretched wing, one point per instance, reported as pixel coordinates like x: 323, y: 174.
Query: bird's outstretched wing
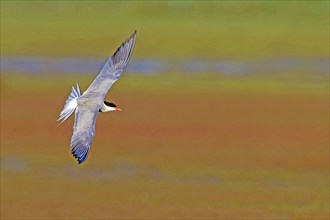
x: 112, y: 70
x: 83, y: 132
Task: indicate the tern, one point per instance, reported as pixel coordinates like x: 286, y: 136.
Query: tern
x: 87, y: 105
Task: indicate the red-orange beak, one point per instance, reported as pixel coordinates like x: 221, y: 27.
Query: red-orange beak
x: 118, y: 109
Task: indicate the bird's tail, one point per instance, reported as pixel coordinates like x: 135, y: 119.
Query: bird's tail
x: 70, y: 104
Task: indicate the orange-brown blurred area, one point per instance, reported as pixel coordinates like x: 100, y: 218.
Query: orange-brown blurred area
x: 184, y: 154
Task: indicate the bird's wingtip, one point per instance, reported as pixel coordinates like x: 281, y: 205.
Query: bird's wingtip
x: 132, y: 36
x: 80, y: 158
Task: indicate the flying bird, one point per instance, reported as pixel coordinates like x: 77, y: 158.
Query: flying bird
x: 87, y: 105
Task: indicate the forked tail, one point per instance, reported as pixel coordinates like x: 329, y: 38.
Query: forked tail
x: 70, y: 104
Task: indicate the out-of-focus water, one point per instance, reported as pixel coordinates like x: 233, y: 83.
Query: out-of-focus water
x: 118, y: 171
x: 37, y: 65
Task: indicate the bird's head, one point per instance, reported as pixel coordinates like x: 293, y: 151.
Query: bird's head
x: 109, y: 106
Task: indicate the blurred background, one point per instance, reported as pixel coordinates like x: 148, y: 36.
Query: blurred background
x: 225, y: 110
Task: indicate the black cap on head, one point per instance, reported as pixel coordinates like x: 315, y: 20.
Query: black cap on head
x: 110, y: 104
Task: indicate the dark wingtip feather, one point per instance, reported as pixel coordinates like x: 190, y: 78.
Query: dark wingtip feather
x: 80, y: 145
x: 118, y: 61
x: 125, y: 56
x: 80, y: 158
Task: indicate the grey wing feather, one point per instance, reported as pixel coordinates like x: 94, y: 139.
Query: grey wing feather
x: 112, y: 69
x: 83, y: 132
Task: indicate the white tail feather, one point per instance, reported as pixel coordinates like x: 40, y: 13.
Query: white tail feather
x: 70, y: 104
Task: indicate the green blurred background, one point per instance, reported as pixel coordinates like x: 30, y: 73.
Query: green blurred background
x: 200, y: 144
x: 225, y: 30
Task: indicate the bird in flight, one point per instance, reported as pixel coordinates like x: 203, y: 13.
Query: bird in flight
x: 87, y: 105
